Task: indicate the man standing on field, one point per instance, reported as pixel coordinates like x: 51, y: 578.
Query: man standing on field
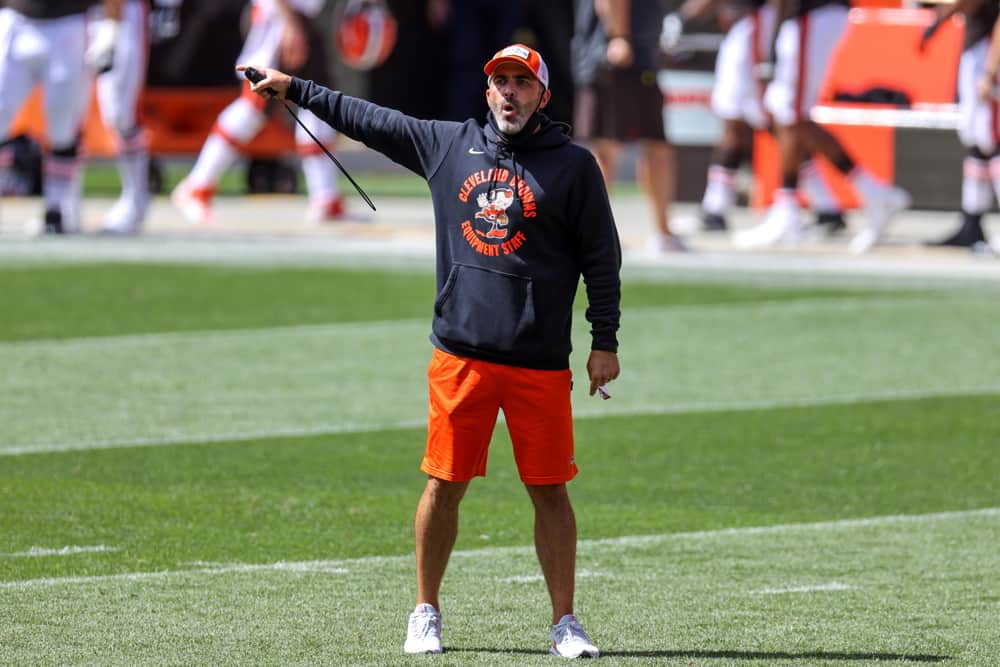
x: 521, y: 214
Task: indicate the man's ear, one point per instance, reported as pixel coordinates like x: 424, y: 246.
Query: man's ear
x: 546, y: 96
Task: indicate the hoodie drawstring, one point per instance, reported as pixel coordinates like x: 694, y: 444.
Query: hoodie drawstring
x: 506, y: 152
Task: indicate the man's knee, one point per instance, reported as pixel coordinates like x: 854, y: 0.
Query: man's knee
x: 443, y: 493
x: 548, y: 495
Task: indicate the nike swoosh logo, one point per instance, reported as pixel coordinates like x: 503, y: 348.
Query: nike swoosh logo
x: 473, y: 151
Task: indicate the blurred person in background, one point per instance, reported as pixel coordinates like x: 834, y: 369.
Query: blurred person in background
x: 283, y: 33
x: 808, y: 32
x: 420, y: 55
x: 119, y: 42
x: 44, y: 42
x: 977, y: 121
x: 738, y: 100
x: 474, y: 28
x: 616, y: 58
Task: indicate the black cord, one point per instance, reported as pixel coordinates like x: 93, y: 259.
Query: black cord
x: 255, y: 76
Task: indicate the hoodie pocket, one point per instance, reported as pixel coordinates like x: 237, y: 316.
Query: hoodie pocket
x: 485, y: 309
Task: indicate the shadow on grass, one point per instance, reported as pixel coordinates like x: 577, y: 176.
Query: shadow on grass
x: 733, y: 655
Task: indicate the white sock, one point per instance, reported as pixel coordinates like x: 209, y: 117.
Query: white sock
x: 995, y: 174
x: 866, y: 184
x: 977, y: 188
x: 786, y: 198
x: 61, y: 186
x: 216, y: 156
x: 720, y: 193
x: 321, y: 178
x: 133, y: 166
x: 821, y: 198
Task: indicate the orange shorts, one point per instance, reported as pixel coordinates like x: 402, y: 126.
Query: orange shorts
x: 466, y: 396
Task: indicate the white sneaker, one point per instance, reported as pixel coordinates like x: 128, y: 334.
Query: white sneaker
x: 570, y: 641
x: 423, y: 633
x: 782, y: 224
x: 685, y: 224
x: 665, y: 244
x: 331, y: 210
x: 126, y: 216
x: 195, y: 204
x: 878, y: 210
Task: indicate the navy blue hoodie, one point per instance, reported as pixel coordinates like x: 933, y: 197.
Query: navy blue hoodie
x: 518, y: 220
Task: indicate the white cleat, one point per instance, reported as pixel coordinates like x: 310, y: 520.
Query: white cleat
x: 423, y: 633
x: 783, y: 224
x: 195, y: 204
x: 126, y: 217
x: 878, y: 210
x: 570, y: 641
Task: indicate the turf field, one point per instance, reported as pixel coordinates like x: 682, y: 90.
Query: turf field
x: 217, y: 465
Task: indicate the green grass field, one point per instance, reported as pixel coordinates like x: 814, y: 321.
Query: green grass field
x: 217, y: 465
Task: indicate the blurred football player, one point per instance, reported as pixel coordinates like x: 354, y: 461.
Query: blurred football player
x: 283, y: 33
x: 808, y: 32
x: 44, y: 42
x: 977, y: 120
x: 119, y: 52
x: 737, y: 99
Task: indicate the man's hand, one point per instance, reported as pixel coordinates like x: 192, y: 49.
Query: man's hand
x: 165, y: 20
x: 986, y: 86
x: 100, y: 53
x: 619, y: 53
x: 671, y: 31
x: 602, y: 367
x: 273, y: 85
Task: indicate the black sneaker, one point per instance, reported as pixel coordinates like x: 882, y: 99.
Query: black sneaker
x: 831, y: 222
x: 53, y: 222
x: 967, y: 236
x: 712, y: 222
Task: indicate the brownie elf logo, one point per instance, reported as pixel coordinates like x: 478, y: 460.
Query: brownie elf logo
x: 490, y: 230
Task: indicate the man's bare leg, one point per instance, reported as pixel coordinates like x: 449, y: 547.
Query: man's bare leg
x: 607, y: 152
x: 555, y: 544
x: 656, y: 175
x: 436, y: 528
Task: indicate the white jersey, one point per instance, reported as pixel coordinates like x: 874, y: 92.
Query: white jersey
x: 47, y: 52
x: 307, y: 7
x: 738, y: 93
x: 793, y: 92
x: 977, y: 118
x: 118, y: 89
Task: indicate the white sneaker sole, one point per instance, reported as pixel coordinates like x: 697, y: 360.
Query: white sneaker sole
x: 586, y: 652
x: 420, y: 648
x: 878, y: 218
x: 193, y: 210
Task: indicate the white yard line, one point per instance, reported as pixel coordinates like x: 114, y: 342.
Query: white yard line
x: 532, y: 578
x: 345, y: 566
x: 604, y: 410
x: 90, y: 343
x: 816, y: 588
x: 409, y: 245
x: 38, y: 552
x: 810, y: 305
